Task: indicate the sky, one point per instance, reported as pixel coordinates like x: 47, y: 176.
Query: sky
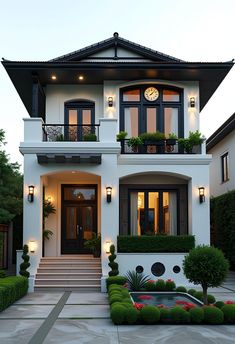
x: 201, y: 30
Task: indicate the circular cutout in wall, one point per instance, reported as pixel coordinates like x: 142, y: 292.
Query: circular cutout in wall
x: 139, y: 269
x: 158, y: 269
x: 176, y: 269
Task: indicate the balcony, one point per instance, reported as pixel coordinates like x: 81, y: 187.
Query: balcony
x: 166, y: 146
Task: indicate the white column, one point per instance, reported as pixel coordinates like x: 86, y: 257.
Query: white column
x: 109, y: 211
x: 108, y: 129
x: 32, y: 222
x: 33, y: 129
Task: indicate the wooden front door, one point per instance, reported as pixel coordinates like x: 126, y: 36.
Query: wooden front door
x: 79, y: 217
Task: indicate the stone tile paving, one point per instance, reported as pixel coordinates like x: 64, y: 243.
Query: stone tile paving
x: 84, y: 318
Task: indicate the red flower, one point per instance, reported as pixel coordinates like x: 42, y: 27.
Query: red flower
x: 169, y: 280
x: 161, y: 306
x: 145, y: 297
x: 181, y: 302
x: 126, y: 285
x: 229, y: 302
x: 151, y: 281
x: 138, y: 306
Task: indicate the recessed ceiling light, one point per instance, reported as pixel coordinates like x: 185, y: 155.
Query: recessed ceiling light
x: 53, y: 77
x: 81, y: 77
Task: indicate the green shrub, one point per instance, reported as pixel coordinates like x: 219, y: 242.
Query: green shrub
x: 165, y: 315
x: 199, y: 295
x: 170, y: 285
x: 207, y: 266
x: 118, y: 314
x: 179, y: 315
x: 181, y: 289
x: 219, y: 304
x: 121, y: 135
x: 153, y: 136
x: 222, y: 222
x: 150, y: 314
x: 89, y: 137
x: 196, y: 315
x: 125, y: 293
x: 25, y: 265
x: 112, y: 264
x: 191, y: 292
x: 160, y: 285
x: 132, y: 315
x: 11, y: 289
x: 157, y: 243
x: 115, y: 298
x: 150, y: 285
x: 213, y: 315
x: 120, y: 280
x: 136, y: 281
x: 112, y: 285
x: 210, y: 298
x: 229, y: 313
x: 127, y: 300
x: 2, y: 274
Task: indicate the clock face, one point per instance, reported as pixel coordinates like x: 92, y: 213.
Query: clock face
x: 151, y: 94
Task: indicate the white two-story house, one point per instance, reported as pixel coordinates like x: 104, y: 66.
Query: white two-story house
x: 77, y: 104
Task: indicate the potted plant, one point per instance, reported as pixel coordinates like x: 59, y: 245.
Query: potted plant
x: 121, y: 136
x: 89, y: 137
x: 135, y: 143
x: 94, y: 244
x: 154, y: 141
x: 171, y: 142
x: 48, y: 209
x: 59, y: 137
x: 194, y: 140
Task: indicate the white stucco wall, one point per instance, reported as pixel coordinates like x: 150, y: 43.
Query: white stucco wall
x: 216, y: 185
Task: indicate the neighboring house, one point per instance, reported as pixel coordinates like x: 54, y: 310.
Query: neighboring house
x: 92, y: 94
x: 221, y: 145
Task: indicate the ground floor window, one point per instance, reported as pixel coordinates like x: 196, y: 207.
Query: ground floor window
x: 153, y: 212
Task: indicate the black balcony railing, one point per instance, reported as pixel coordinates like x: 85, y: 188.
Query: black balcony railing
x: 70, y: 132
x: 169, y: 146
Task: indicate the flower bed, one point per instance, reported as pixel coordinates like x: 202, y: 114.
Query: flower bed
x: 124, y: 311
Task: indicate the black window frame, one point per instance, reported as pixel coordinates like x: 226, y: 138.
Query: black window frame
x: 225, y: 171
x: 159, y: 103
x: 160, y: 190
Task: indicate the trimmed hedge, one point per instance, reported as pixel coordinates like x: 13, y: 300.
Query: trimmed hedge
x: 223, y: 224
x: 11, y: 289
x: 120, y: 280
x: 154, y: 244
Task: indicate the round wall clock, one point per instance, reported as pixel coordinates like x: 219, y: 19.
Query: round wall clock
x: 151, y: 94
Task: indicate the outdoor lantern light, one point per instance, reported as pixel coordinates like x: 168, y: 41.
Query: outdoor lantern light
x: 31, y: 193
x: 107, y: 246
x: 201, y: 194
x: 192, y: 102
x: 110, y: 101
x: 32, y: 246
x: 109, y: 194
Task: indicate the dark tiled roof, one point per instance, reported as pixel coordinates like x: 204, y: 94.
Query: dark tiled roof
x: 226, y: 128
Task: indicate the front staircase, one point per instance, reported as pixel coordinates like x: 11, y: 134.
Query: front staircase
x: 69, y: 273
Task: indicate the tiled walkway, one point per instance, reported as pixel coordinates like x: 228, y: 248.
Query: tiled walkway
x: 81, y: 318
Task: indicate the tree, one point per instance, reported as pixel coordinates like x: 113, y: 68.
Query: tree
x: 11, y: 186
x: 207, y: 266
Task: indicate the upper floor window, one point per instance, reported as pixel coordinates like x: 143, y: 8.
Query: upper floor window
x: 225, y: 167
x: 148, y: 108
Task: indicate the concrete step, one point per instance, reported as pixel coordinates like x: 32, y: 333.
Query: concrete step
x: 68, y: 275
x: 96, y: 269
x: 62, y: 281
x: 56, y: 288
x: 70, y: 259
x: 69, y: 264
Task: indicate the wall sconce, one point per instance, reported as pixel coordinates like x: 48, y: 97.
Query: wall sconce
x: 107, y: 246
x: 201, y: 194
x: 32, y: 246
x: 108, y: 194
x: 110, y: 101
x: 49, y: 198
x: 192, y: 102
x: 31, y: 193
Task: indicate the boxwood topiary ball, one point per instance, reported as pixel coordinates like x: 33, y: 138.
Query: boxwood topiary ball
x: 132, y: 315
x: 192, y: 292
x: 213, y: 315
x: 219, y: 304
x: 199, y: 295
x: 165, y: 315
x: 115, y: 298
x: 196, y: 315
x: 211, y: 298
x: 150, y: 286
x: 229, y: 313
x: 181, y: 289
x: 118, y: 314
x: 179, y: 315
x: 160, y: 285
x: 150, y: 314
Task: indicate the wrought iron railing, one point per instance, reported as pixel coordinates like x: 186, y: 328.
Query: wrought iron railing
x: 169, y: 146
x: 70, y: 132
